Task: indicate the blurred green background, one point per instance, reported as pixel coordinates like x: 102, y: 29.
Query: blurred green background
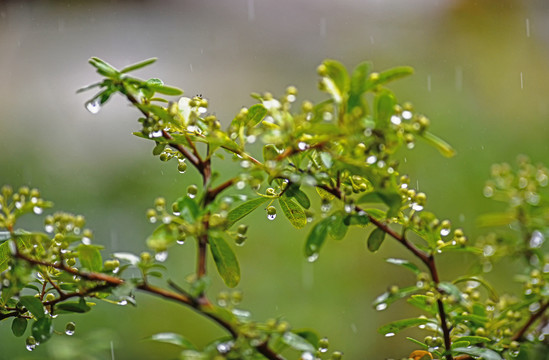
x: 482, y: 76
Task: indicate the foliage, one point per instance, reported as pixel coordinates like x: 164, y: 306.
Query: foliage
x: 335, y: 165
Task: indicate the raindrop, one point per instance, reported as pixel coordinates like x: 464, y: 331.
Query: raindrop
x: 444, y: 232
x: 537, y: 239
x: 313, y: 257
x: 152, y: 219
x: 122, y: 302
x: 389, y: 334
x: 271, y: 216
x: 395, y: 119
x: 271, y: 104
x: 202, y: 110
x: 527, y: 27
x: 489, y: 250
x: 323, y: 27
x: 291, y: 98
x: 224, y: 348
x: 325, y: 207
x: 86, y: 240
x: 368, y: 132
x: 302, y: 146
x: 240, y: 185
x: 48, y: 228
x: 31, y: 347
x: 381, y: 307
x: 166, y: 219
x: 488, y: 191
x: 534, y: 307
x: 70, y: 328
x: 349, y: 208
x: 251, y: 139
x: 327, y: 116
x: 407, y: 114
x: 155, y: 134
x: 93, y: 106
x: 180, y: 241
x: 245, y: 164
x: 192, y: 196
x: 532, y: 198
x: 371, y: 159
x: 161, y: 256
x: 542, y: 178
x: 417, y: 207
x: 18, y: 204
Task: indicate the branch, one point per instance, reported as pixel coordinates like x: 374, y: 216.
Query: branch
x: 535, y: 316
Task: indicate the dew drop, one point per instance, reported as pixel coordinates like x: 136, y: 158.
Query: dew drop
x: 313, y: 257
x: 192, y: 196
x: 122, y: 302
x: 240, y: 185
x: 395, y: 119
x: 152, y: 219
x: 155, y: 134
x: 93, y: 106
x: 302, y: 146
x: 349, y: 208
x: 245, y: 164
x: 291, y: 98
x: 18, y: 204
x: 48, y: 228
x: 202, y: 110
x: 407, y: 114
x: 411, y: 145
x: 537, y: 239
x: 389, y: 334
x: 251, y: 139
x: 271, y: 216
x: 180, y: 241
x: 167, y: 219
x: 70, y: 328
x: 161, y: 256
x: 444, y: 232
x: 371, y: 159
x: 86, y: 240
x: 381, y: 307
x: 307, y: 356
x: 417, y: 207
x: 224, y: 348
x: 327, y: 116
x: 31, y: 347
x: 488, y: 250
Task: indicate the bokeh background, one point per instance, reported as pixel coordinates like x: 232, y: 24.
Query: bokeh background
x: 482, y: 76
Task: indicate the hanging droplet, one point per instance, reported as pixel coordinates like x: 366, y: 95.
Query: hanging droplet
x: 536, y: 240
x: 180, y: 241
x: 371, y: 159
x: 302, y: 146
x: 93, y: 106
x: 31, y: 343
x: 161, y: 256
x: 395, y: 119
x: 70, y: 328
x: 37, y: 210
x: 307, y: 356
x: 381, y: 306
x: 48, y: 228
x: 224, y: 348
x: 389, y: 334
x: 313, y: 257
x: 444, y: 232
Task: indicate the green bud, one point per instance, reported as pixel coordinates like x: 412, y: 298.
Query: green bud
x: 111, y: 265
x: 145, y: 257
x: 336, y: 355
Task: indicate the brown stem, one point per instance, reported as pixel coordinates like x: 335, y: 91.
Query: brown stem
x: 535, y: 316
x: 427, y: 260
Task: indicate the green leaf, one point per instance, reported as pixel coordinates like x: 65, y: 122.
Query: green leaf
x: 359, y: 82
x: 486, y: 354
x: 491, y: 291
x: 316, y: 239
x: 18, y: 326
x: 396, y: 326
x: 496, y: 219
x: 297, y: 342
x: 450, y: 289
x: 189, y: 209
x: 256, y: 113
x: 389, y: 197
x: 326, y: 159
x: 138, y: 65
x: 4, y: 236
x: 104, y: 68
x: 384, y: 108
x: 244, y: 209
x: 129, y: 257
x: 42, y: 329
x: 442, y: 146
x: 404, y: 263
x: 73, y: 307
x: 394, y: 74
x: 389, y: 297
x: 225, y: 260
x: 172, y: 338
x: 375, y: 239
x: 293, y: 212
x: 424, y: 303
x: 33, y: 305
x: 164, y: 89
x: 336, y: 81
x: 90, y: 257
x: 270, y: 152
x: 310, y: 335
x: 193, y: 355
x: 295, y: 192
x: 336, y: 226
x: 473, y: 339
x: 163, y: 237
x: 159, y: 148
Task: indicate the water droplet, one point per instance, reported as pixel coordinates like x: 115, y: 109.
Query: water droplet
x: 368, y: 132
x: 161, y: 256
x: 389, y: 334
x: 410, y: 145
x: 31, y: 347
x: 407, y: 114
x: 395, y: 119
x: 251, y: 139
x: 349, y: 208
x: 224, y: 348
x: 271, y: 216
x: 123, y: 302
x: 167, y: 219
x: 240, y: 185
x: 180, y: 241
x: 48, y: 228
x: 18, y: 204
x: 93, y: 106
x: 327, y: 116
x: 313, y: 257
x: 381, y: 306
x: 488, y: 250
x: 155, y: 134
x: 291, y: 98
x: 325, y: 207
x: 302, y: 146
x: 534, y: 307
x: 417, y: 207
x: 86, y: 240
x: 202, y: 110
x: 537, y: 239
x: 271, y: 104
x: 70, y: 328
x: 152, y: 219
x: 371, y: 159
x: 245, y: 164
x: 532, y: 198
x: 307, y: 356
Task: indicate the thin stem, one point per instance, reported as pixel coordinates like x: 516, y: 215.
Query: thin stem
x: 535, y: 316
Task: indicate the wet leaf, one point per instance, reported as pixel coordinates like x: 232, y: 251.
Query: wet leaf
x: 172, y: 338
x: 33, y: 305
x: 375, y: 239
x: 486, y: 354
x: 396, y: 326
x: 472, y: 339
x: 293, y: 212
x: 336, y: 227
x: 189, y: 210
x: 443, y: 147
x: 163, y: 237
x: 225, y: 260
x: 316, y: 238
x: 336, y: 81
x: 384, y: 105
x: 256, y: 113
x: 293, y: 191
x: 166, y: 90
x: 90, y: 257
x: 404, y: 263
x: 18, y: 326
x: 72, y: 307
x: 297, y: 342
x: 103, y: 68
x: 244, y: 209
x: 138, y: 65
